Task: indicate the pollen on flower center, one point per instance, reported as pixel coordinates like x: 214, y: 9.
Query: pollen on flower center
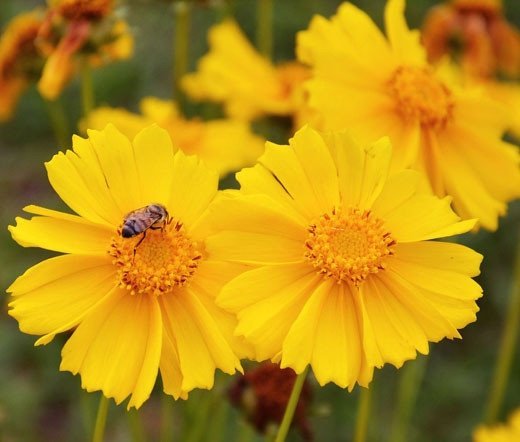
x: 165, y: 259
x: 348, y: 245
x: 419, y: 96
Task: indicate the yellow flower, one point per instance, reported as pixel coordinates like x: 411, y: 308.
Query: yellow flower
x: 509, y: 432
x: 234, y: 73
x: 19, y: 59
x: 225, y: 145
x: 85, y: 28
x: 136, y: 304
x: 345, y: 278
x: 378, y: 87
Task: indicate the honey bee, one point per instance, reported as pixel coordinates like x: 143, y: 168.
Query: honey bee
x: 153, y: 217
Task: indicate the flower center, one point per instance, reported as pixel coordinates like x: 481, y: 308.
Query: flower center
x: 348, y: 246
x: 166, y: 258
x: 84, y: 9
x: 419, y: 96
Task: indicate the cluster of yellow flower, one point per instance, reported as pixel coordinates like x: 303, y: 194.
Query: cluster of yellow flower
x: 323, y: 258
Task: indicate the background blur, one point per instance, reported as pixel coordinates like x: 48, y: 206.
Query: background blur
x: 39, y: 403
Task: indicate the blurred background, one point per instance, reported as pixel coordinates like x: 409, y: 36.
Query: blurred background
x: 39, y: 403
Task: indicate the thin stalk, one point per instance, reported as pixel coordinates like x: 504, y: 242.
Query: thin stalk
x: 136, y: 426
x: 291, y: 406
x: 264, y: 29
x: 87, y: 88
x: 363, y: 416
x: 410, y: 380
x: 166, y: 418
x: 507, y: 349
x: 59, y: 122
x: 101, y: 420
x: 181, y: 44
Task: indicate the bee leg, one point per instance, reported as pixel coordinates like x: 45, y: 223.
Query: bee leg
x: 139, y: 242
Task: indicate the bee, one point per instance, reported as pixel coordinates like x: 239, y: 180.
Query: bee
x: 153, y: 217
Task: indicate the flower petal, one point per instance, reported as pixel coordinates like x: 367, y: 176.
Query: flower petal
x: 56, y: 294
x: 193, y: 187
x: 61, y: 232
x: 117, y: 348
x: 153, y: 152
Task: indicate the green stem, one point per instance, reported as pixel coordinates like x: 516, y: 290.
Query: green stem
x: 136, y: 426
x: 291, y: 406
x: 506, y: 350
x: 87, y: 88
x: 264, y: 35
x: 197, y: 425
x: 181, y: 44
x: 166, y: 418
x: 363, y: 415
x: 59, y: 122
x: 411, y: 376
x: 101, y: 419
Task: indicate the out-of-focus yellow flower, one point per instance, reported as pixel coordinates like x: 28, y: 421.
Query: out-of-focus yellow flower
x: 20, y: 62
x: 234, y: 73
x: 509, y: 432
x: 225, y: 145
x: 377, y: 87
x: 137, y: 304
x: 85, y: 29
x: 476, y: 35
x: 345, y: 276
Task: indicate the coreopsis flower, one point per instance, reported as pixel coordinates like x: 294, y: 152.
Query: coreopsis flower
x: 20, y: 62
x: 248, y: 84
x: 345, y: 278
x: 224, y: 144
x: 139, y: 300
x: 476, y: 34
x: 86, y: 30
x: 378, y: 87
x: 509, y: 432
x: 262, y: 394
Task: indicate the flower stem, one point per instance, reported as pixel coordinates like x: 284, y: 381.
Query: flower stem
x: 363, y: 415
x: 59, y: 123
x: 506, y: 350
x: 101, y: 419
x: 181, y: 43
x: 136, y: 426
x: 264, y: 35
x: 87, y: 88
x: 291, y: 406
x: 411, y: 376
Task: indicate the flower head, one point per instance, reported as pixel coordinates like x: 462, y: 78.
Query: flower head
x: 475, y: 33
x: 224, y: 144
x: 137, y: 304
x: 82, y: 28
x: 20, y: 61
x: 379, y: 87
x: 234, y: 73
x: 345, y: 279
x: 500, y: 433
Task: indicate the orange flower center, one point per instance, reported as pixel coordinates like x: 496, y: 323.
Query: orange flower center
x: 84, y: 9
x: 166, y: 258
x: 348, y: 246
x: 419, y: 96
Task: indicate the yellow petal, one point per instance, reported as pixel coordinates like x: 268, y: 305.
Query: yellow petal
x: 399, y: 188
x: 269, y: 299
x: 154, y: 158
x: 405, y: 43
x: 116, y: 159
x: 117, y: 348
x: 193, y: 187
x: 185, y: 319
x: 170, y: 366
x: 56, y: 294
x: 425, y: 217
x: 61, y: 232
